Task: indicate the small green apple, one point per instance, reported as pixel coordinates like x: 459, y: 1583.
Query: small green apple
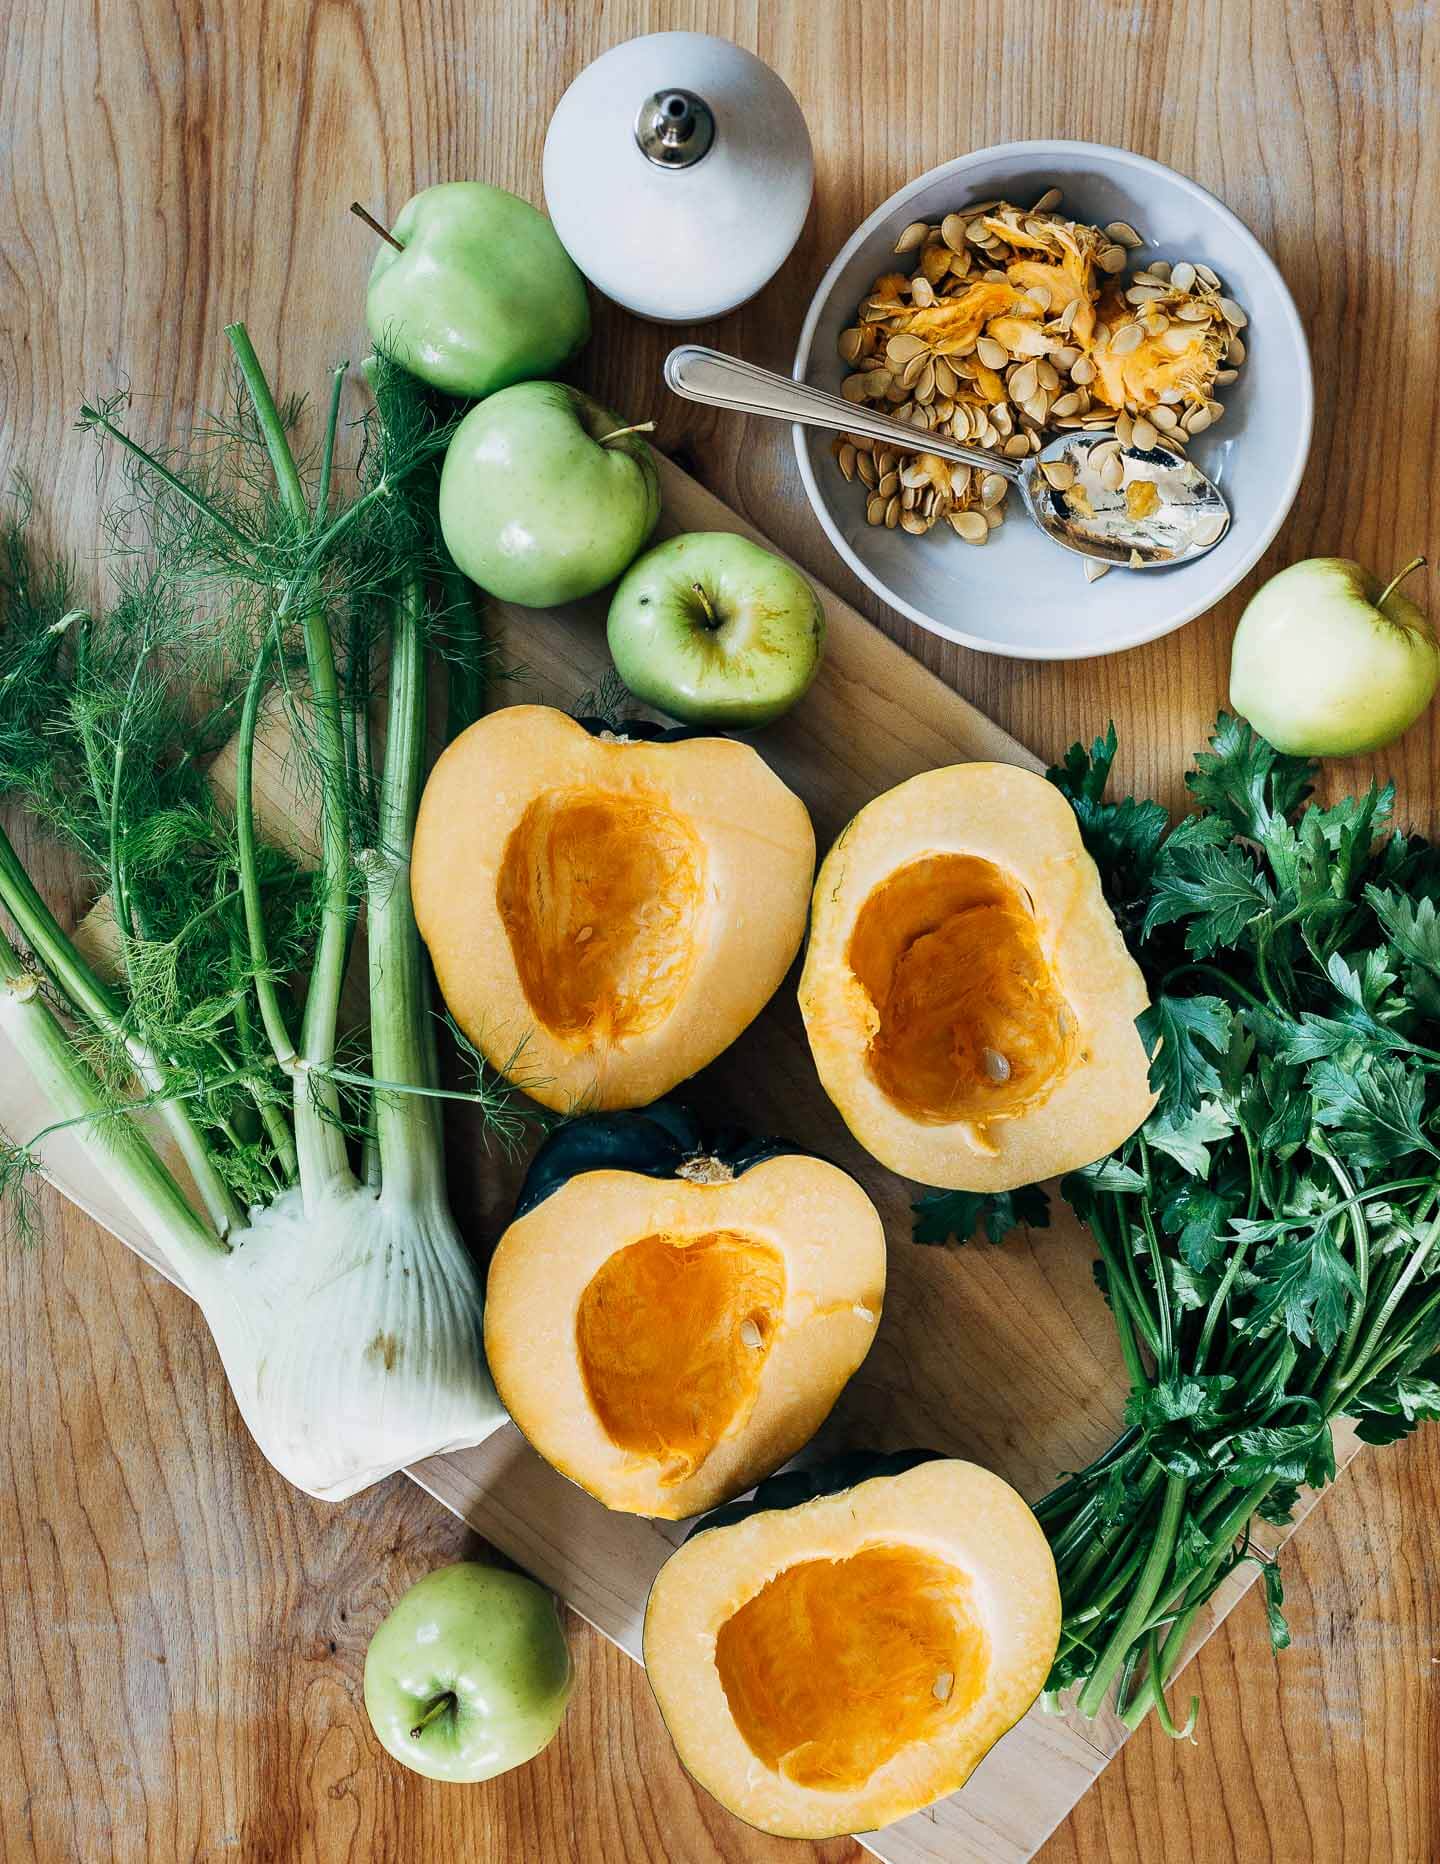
x: 469, y: 1675
x: 483, y: 294
x: 1328, y: 663
x: 545, y: 496
x: 716, y: 631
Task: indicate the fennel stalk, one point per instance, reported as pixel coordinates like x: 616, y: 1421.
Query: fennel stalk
x: 301, y: 1198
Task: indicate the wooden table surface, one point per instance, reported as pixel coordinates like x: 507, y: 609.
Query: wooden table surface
x: 183, y: 1635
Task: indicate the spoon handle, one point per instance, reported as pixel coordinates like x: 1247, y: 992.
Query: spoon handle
x: 705, y: 375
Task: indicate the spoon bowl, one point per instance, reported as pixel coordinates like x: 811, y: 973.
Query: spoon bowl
x: 1141, y: 508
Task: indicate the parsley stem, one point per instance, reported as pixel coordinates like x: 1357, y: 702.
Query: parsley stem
x: 1137, y: 1610
x: 1347, y: 1376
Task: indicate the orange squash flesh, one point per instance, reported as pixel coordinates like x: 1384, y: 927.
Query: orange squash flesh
x: 968, y: 998
x: 600, y: 893
x: 835, y: 1666
x: 672, y: 1334
x: 971, y: 1025
x: 606, y: 914
x: 668, y: 1342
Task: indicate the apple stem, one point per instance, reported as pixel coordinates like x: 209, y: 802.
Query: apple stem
x: 706, y: 605
x: 619, y: 433
x: 438, y: 1707
x: 1415, y: 563
x: 363, y: 213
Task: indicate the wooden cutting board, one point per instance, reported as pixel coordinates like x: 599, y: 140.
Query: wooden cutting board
x: 1006, y: 1355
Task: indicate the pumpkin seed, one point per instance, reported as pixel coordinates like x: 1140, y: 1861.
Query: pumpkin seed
x: 994, y: 355
x: 875, y: 509
x: 1059, y: 473
x: 1224, y: 377
x: 993, y: 487
x: 1023, y: 383
x: 1038, y: 407
x: 1212, y: 279
x: 847, y: 461
x: 865, y: 465
x: 1143, y: 435
x: 855, y: 387
x: 922, y: 292
x: 1065, y: 404
x: 1082, y: 370
x: 1112, y: 473
x: 1236, y: 352
x: 852, y: 344
x: 904, y: 348
x: 1182, y: 276
x: 1048, y: 201
x: 1232, y: 313
x: 1197, y: 420
x: 912, y: 522
x: 945, y: 382
x: 952, y: 231
x: 1124, y: 234
x: 960, y: 476
x: 892, y: 513
x: 914, y: 234
x: 1208, y: 530
x: 1126, y: 339
x: 1124, y: 429
x: 925, y: 387
x: 970, y: 525
x: 1164, y: 418
x: 995, y: 516
x: 916, y: 473
x: 750, y: 1334
x: 889, y: 484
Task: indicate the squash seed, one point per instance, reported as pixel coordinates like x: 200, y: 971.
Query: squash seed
x: 1112, y: 259
x: 996, y: 1067
x: 875, y: 509
x: 1182, y: 276
x: 852, y: 344
x: 1124, y: 234
x: 1048, y: 201
x: 750, y: 1334
x: 993, y: 487
x: 1059, y: 473
x: 1082, y: 370
x: 970, y: 525
x: 1232, y: 313
x: 952, y: 231
x: 914, y: 234
x: 1112, y: 473
x: 1143, y: 435
x: 922, y: 292
x: 1129, y: 337
x: 847, y: 460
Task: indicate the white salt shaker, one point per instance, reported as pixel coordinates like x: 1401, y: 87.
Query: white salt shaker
x: 678, y: 173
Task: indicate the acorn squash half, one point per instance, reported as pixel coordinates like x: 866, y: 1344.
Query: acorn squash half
x: 843, y: 1649
x: 968, y: 996
x: 668, y: 1317
x: 622, y: 905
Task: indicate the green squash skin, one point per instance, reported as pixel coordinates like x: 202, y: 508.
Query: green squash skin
x: 653, y: 1142
x: 791, y: 1488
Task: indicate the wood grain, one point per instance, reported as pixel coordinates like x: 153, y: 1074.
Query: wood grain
x: 169, y: 1606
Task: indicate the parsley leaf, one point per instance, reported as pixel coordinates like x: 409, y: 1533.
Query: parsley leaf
x: 1373, y: 1112
x: 1304, y: 1281
x: 1185, y: 1037
x: 943, y: 1216
x: 1187, y: 1138
x: 1218, y: 890
x: 1244, y: 779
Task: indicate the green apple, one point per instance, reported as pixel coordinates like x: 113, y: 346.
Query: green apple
x: 469, y: 1675
x: 1328, y: 663
x: 545, y: 495
x: 716, y: 631
x: 483, y: 294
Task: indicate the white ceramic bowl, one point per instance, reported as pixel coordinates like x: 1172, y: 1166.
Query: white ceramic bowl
x: 1019, y: 594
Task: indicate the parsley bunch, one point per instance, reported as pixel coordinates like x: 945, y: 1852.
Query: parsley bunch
x: 1270, y: 1239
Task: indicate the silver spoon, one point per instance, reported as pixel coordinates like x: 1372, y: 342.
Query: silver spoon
x: 1187, y: 517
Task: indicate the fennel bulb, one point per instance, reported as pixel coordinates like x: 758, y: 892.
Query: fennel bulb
x: 350, y: 1336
